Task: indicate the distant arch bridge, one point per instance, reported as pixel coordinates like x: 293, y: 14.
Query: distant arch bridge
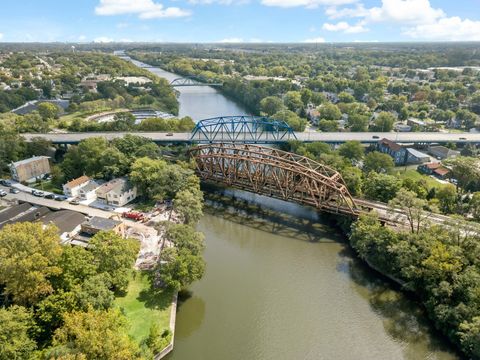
x: 192, y: 81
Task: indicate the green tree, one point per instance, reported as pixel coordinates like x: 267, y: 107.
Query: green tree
x: 465, y: 170
x: 378, y: 162
x: 185, y: 237
x: 447, y: 197
x: 329, y: 111
x: 97, y: 334
x: 292, y: 119
x: 293, y: 101
x: 381, y: 187
x: 412, y: 207
x: 271, y: 105
x: 189, y: 204
x: 328, y: 125
x: 352, y: 150
x: 178, y: 268
x: 357, y: 122
x: 16, y: 330
x: 384, y: 122
x: 114, y: 256
x: 29, y: 257
x: 48, y: 110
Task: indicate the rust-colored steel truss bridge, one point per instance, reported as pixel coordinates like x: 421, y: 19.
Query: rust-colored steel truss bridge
x: 275, y: 173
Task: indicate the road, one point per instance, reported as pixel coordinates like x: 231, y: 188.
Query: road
x: 58, y: 205
x: 328, y: 137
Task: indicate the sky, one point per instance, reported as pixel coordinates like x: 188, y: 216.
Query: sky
x: 314, y: 21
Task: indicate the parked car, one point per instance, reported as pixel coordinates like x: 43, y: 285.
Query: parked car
x: 60, y: 197
x: 5, y: 182
x: 169, y: 134
x: 3, y: 193
x: 37, y: 193
x: 50, y: 196
x: 14, y: 191
x: 375, y: 137
x: 74, y: 202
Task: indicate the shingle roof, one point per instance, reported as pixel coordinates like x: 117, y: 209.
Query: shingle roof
x: 78, y: 181
x: 29, y: 160
x: 392, y: 145
x: 64, y: 220
x: 117, y: 185
x: 100, y: 223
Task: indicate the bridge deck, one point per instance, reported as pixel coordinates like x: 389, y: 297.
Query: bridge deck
x: 328, y: 137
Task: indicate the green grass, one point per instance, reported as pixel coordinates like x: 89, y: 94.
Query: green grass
x: 415, y: 175
x: 47, y: 186
x: 144, y: 306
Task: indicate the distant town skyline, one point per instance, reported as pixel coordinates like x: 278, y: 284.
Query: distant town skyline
x: 310, y: 21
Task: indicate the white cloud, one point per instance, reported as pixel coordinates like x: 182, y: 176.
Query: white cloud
x: 448, y: 28
x: 145, y: 9
x: 417, y: 18
x: 345, y: 27
x: 306, y: 3
x: 1, y: 36
x: 122, y: 25
x: 314, y: 40
x: 359, y: 10
x: 82, y: 38
x: 220, y: 2
x: 231, y: 40
x: 405, y: 11
x: 103, y: 39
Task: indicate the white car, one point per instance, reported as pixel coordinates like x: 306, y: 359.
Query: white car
x: 3, y: 193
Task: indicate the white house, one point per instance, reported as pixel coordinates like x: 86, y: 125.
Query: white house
x: 88, y: 191
x: 72, y: 188
x: 117, y: 192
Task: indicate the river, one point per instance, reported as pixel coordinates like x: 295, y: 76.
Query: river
x: 288, y: 286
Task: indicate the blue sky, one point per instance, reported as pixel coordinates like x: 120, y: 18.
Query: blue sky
x: 239, y: 20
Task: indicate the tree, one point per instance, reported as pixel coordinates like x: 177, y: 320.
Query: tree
x: 357, y: 122
x: 292, y: 119
x: 77, y: 265
x: 345, y: 97
x: 465, y: 170
x: 189, y: 205
x: 271, y: 105
x: 185, y: 237
x: 178, y: 268
x: 97, y: 334
x: 29, y: 257
x: 329, y: 111
x: 381, y: 187
x: 353, y: 179
x: 412, y: 207
x: 384, y: 122
x: 114, y: 256
x: 352, y: 150
x: 16, y: 330
x: 293, y: 101
x: 447, y: 198
x: 157, y: 340
x: 48, y: 110
x: 475, y: 205
x: 378, y: 162
x: 328, y: 125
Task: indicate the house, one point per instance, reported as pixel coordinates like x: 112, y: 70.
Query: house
x: 416, y: 157
x: 435, y: 169
x: 403, y: 127
x: 397, y: 152
x: 442, y: 152
x: 72, y: 188
x: 28, y: 170
x: 97, y: 224
x: 88, y: 190
x: 68, y: 222
x: 117, y: 192
x: 313, y: 115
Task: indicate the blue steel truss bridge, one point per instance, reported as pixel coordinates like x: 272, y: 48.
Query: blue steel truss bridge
x: 235, y: 129
x: 192, y: 81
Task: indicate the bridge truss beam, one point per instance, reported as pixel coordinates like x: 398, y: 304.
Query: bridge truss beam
x: 245, y: 129
x: 274, y: 173
x: 191, y: 81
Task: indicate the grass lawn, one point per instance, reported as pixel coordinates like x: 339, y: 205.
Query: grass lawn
x: 415, y: 175
x: 47, y: 186
x: 144, y: 306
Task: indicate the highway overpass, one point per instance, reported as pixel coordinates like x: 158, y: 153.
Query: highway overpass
x: 328, y: 137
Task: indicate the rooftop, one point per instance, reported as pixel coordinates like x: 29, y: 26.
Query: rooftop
x: 77, y: 181
x: 64, y: 220
x: 392, y: 145
x: 118, y: 185
x: 100, y: 223
x: 90, y: 186
x: 29, y: 160
x: 417, y: 153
